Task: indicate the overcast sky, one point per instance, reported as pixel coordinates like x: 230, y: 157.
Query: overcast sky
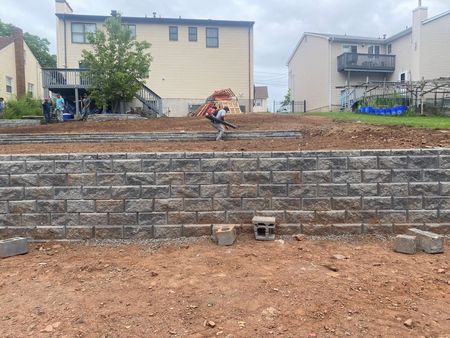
x: 278, y: 24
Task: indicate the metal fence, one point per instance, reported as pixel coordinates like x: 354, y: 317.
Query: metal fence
x: 292, y: 107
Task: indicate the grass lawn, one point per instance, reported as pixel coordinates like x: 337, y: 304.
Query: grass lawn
x: 439, y: 122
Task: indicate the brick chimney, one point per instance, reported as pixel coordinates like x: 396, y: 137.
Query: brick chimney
x: 19, y: 51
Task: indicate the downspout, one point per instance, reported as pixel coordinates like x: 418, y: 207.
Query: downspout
x: 65, y: 43
x: 330, y: 91
x: 250, y: 70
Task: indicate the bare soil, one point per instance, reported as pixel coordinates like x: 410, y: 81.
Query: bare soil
x: 319, y: 133
x: 252, y: 289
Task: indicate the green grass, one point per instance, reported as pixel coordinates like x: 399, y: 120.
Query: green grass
x: 436, y: 122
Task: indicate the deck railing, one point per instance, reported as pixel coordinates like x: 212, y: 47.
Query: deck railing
x: 65, y: 78
x: 366, y: 62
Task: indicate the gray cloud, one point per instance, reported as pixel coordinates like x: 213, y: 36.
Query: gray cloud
x: 278, y: 24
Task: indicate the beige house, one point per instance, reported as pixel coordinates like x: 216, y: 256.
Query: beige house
x: 322, y: 62
x: 261, y: 96
x: 191, y: 58
x: 20, y: 72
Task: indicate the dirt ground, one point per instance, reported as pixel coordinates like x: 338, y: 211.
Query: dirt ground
x: 192, y: 288
x: 319, y: 133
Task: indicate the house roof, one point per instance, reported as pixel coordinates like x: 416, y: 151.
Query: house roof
x: 350, y: 38
x: 261, y: 92
x: 436, y: 17
x: 398, y: 35
x: 152, y: 20
x: 5, y: 41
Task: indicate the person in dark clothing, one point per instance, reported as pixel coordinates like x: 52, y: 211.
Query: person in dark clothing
x: 46, y: 108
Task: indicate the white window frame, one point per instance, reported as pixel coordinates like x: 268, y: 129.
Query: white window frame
x: 348, y: 48
x: 173, y: 33
x: 192, y: 34
x: 9, y: 84
x: 30, y: 88
x: 131, y: 28
x: 374, y: 50
x: 212, y: 41
x: 83, y: 33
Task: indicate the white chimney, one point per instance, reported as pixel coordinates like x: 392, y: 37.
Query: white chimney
x: 419, y: 15
x: 62, y: 7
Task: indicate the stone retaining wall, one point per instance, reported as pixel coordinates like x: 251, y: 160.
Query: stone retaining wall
x: 18, y: 123
x: 144, y: 195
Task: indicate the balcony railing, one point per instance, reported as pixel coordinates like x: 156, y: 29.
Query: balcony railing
x: 366, y: 63
x: 65, y: 78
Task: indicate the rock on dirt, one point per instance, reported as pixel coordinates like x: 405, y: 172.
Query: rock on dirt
x: 339, y: 257
x: 299, y: 238
x: 408, y: 323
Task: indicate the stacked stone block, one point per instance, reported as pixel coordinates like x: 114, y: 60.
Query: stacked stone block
x: 142, y: 195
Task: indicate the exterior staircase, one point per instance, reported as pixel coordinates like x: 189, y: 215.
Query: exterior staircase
x: 150, y: 100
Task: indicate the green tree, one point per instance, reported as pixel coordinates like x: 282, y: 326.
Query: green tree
x: 5, y: 29
x: 117, y: 65
x: 38, y: 46
x: 40, y: 49
x: 287, y: 99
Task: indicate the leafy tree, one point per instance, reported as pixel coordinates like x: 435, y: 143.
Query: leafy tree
x: 117, y: 65
x: 287, y: 99
x: 38, y: 46
x: 5, y: 29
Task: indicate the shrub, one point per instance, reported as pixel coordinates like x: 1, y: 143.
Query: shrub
x: 25, y: 105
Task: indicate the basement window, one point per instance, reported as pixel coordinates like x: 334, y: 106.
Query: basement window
x: 212, y: 37
x: 9, y: 84
x: 80, y: 31
x: 173, y: 33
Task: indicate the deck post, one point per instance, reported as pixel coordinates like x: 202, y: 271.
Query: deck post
x: 77, y: 101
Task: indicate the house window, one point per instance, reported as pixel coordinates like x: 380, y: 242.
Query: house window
x: 212, y: 37
x: 30, y: 89
x: 9, y: 84
x: 80, y: 31
x: 258, y: 103
x: 403, y: 77
x: 374, y: 50
x: 173, y: 33
x: 132, y: 29
x: 192, y: 33
x: 350, y: 49
x: 389, y: 49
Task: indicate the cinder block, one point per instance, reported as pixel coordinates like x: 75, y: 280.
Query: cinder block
x: 405, y: 244
x: 13, y: 247
x: 264, y: 228
x: 224, y: 235
x: 428, y: 241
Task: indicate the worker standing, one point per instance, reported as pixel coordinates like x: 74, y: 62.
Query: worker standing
x: 220, y: 115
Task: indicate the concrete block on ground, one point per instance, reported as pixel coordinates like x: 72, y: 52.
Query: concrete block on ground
x: 264, y: 228
x: 428, y: 241
x: 13, y: 247
x: 224, y: 235
x: 405, y: 244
